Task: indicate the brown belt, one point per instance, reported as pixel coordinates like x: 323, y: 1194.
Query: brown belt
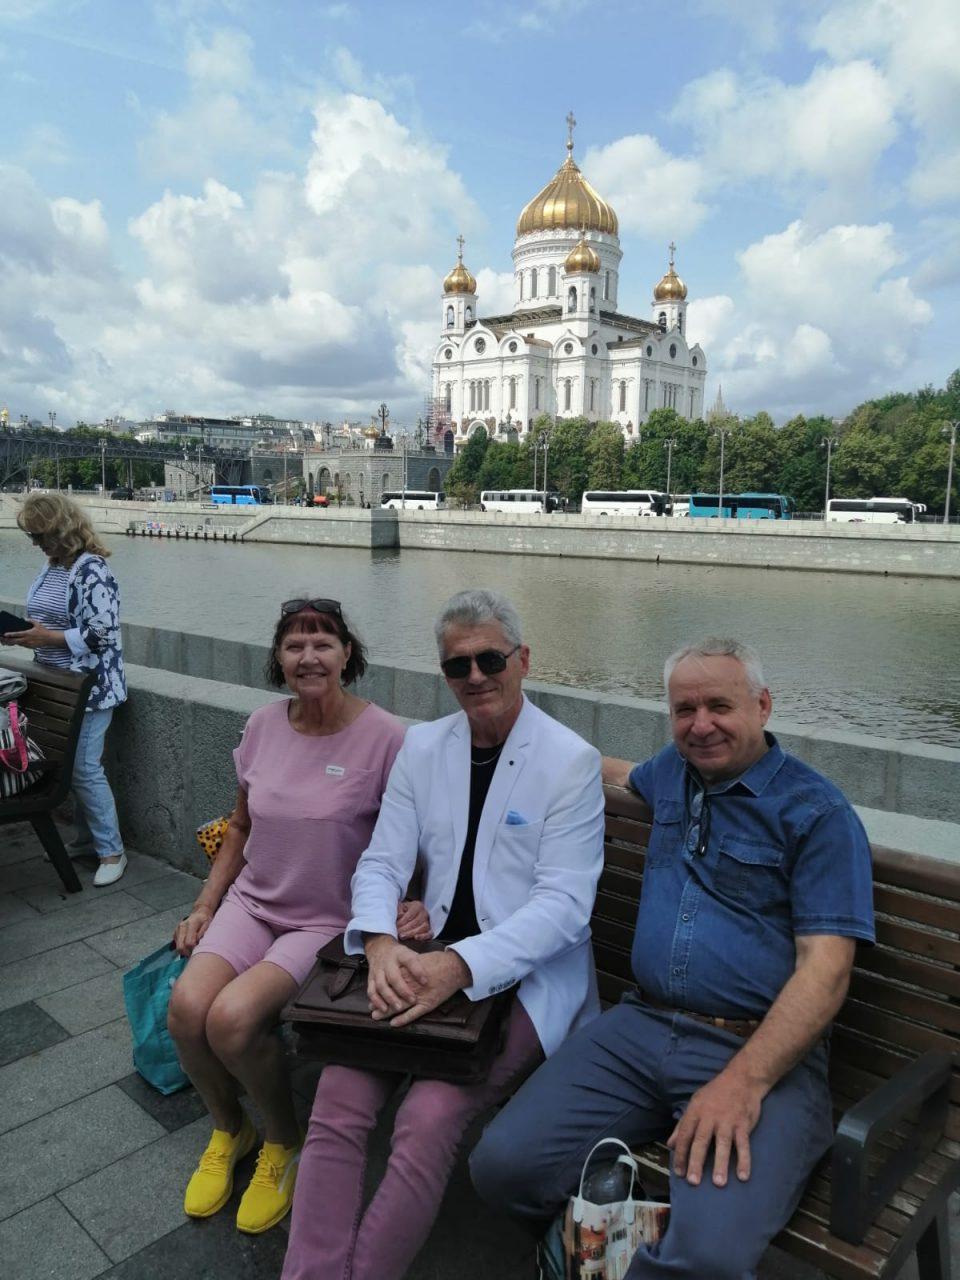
x: 743, y: 1027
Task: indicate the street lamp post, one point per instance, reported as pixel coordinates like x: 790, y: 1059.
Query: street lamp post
x: 103, y: 468
x: 830, y: 443
x: 952, y: 426
x: 545, y: 446
x: 536, y: 450
x: 669, y: 445
x: 723, y: 433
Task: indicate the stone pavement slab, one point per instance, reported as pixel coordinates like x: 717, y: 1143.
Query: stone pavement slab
x: 126, y: 945
x: 172, y: 1110
x: 170, y: 889
x: 139, y: 1199
x: 69, y: 1144
x: 50, y: 895
x: 88, y: 1004
x: 52, y: 971
x: 210, y: 1250
x: 45, y: 1243
x: 93, y: 916
x: 27, y: 1029
x: 36, y: 1085
x: 14, y: 909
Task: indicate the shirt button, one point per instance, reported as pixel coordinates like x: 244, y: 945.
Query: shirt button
x: 676, y: 973
x: 685, y: 916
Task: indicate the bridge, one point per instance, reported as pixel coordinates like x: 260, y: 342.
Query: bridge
x: 19, y: 450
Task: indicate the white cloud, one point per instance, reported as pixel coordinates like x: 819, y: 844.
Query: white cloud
x: 225, y: 60
x: 653, y: 192
x: 831, y: 129
x: 818, y: 317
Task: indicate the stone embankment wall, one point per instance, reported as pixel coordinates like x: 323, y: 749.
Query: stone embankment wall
x: 917, y: 550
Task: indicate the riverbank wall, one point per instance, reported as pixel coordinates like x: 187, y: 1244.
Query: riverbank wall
x: 892, y: 550
x: 226, y: 677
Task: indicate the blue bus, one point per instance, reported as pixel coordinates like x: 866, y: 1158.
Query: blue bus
x: 742, y: 506
x: 239, y: 495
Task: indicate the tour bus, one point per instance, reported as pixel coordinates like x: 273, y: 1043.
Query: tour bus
x: 239, y: 495
x: 680, y: 503
x: 413, y: 500
x: 872, y: 510
x: 626, y: 502
x: 741, y: 506
x: 519, y: 502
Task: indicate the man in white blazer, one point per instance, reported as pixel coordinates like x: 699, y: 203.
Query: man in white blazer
x: 501, y: 808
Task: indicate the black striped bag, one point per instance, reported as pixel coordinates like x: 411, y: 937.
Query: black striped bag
x: 18, y: 752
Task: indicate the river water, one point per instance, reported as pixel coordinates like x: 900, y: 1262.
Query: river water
x: 871, y: 655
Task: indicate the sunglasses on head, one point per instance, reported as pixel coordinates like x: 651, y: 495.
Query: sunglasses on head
x: 488, y: 663
x: 319, y: 604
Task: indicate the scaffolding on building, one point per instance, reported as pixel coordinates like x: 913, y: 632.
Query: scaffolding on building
x: 436, y: 420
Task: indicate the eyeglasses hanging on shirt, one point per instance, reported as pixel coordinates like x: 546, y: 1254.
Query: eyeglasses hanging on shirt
x: 698, y: 816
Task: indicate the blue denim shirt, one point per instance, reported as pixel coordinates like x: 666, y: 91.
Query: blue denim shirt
x: 785, y: 855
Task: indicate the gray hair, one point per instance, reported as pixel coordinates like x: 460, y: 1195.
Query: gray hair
x: 719, y: 647
x: 474, y: 608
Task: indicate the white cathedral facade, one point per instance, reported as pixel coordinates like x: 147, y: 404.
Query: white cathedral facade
x: 565, y: 349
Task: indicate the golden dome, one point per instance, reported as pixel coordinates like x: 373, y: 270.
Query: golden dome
x: 372, y: 433
x: 671, y: 288
x: 582, y: 257
x: 459, y: 280
x: 567, y: 203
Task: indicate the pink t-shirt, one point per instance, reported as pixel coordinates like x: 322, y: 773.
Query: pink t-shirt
x: 313, y: 803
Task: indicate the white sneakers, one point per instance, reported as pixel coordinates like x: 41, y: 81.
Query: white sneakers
x: 110, y: 872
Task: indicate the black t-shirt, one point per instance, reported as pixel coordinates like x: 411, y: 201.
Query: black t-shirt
x: 462, y: 920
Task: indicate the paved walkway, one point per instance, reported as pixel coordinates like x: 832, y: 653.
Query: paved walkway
x: 93, y: 1161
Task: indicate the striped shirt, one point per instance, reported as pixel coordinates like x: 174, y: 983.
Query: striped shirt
x: 47, y: 603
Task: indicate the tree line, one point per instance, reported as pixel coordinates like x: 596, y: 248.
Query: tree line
x: 893, y: 446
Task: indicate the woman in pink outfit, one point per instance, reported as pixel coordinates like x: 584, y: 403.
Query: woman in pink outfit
x: 311, y: 770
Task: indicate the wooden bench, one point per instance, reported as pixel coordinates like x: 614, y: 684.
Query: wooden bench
x: 54, y: 704
x: 881, y: 1193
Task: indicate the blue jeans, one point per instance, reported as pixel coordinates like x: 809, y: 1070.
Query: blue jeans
x: 95, y: 808
x: 630, y: 1075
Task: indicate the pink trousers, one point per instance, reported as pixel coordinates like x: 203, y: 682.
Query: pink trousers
x: 332, y: 1237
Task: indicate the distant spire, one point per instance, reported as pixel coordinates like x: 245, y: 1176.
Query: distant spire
x: 571, y: 125
x: 719, y: 409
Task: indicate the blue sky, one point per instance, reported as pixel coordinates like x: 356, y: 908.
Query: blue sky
x: 240, y: 206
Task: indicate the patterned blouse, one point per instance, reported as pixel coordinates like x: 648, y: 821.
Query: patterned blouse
x: 84, y: 603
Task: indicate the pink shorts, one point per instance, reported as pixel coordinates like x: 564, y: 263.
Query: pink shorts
x: 243, y: 940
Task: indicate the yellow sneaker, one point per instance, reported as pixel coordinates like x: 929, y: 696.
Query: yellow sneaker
x: 270, y: 1193
x: 209, y: 1188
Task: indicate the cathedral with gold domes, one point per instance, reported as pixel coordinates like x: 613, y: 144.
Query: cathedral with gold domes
x: 565, y: 349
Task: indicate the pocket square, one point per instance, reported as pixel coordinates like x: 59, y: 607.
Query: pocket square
x: 515, y: 819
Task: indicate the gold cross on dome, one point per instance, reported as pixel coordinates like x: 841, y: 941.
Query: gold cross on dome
x: 571, y: 125
x: 460, y: 243
x: 673, y: 249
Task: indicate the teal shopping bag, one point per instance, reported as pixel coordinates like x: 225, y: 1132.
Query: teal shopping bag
x: 146, y: 993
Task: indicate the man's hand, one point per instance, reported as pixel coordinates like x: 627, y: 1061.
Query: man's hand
x: 442, y: 973
x: 395, y: 975
x: 413, y: 922
x: 191, y: 929
x: 723, y: 1113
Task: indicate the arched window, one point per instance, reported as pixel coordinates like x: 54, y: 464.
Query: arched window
x: 513, y: 393
x: 593, y: 298
x: 448, y: 396
x: 662, y: 321
x: 680, y: 321
x: 572, y: 298
x: 566, y: 393
x: 521, y: 286
x: 593, y: 392
x: 486, y: 393
x: 468, y: 313
x: 552, y: 282
x: 536, y: 393
x: 533, y: 283
x: 433, y: 479
x: 623, y: 396
x: 606, y: 286
x: 449, y: 317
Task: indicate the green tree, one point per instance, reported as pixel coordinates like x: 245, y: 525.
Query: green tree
x: 605, y: 452
x: 462, y: 478
x: 864, y: 465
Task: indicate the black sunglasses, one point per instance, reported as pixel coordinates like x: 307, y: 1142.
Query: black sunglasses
x: 319, y: 604
x: 489, y: 663
x: 698, y: 829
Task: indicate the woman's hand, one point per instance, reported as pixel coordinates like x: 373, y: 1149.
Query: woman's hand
x: 37, y: 637
x: 413, y: 922
x: 191, y: 929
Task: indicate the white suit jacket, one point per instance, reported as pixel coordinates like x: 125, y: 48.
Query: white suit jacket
x: 534, y: 876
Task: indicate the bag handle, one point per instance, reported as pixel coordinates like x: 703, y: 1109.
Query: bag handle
x: 10, y: 756
x: 626, y: 1157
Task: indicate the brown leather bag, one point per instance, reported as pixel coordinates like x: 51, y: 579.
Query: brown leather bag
x: 457, y: 1041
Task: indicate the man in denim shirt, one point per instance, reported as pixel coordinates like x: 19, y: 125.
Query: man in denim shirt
x: 757, y: 885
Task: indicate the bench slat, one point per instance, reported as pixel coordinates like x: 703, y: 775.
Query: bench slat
x: 885, y: 996
x: 943, y: 980
x: 914, y: 906
x: 918, y: 941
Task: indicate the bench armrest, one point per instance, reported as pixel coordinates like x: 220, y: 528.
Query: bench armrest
x: 858, y: 1194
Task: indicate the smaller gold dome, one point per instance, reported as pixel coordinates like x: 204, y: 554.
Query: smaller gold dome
x: 372, y: 433
x: 582, y: 257
x: 670, y: 288
x: 459, y: 280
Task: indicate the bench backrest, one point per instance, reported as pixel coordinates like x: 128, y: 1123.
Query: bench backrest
x: 904, y: 994
x: 54, y: 704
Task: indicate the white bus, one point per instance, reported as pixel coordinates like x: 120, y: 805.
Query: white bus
x: 872, y: 510
x: 413, y: 500
x: 625, y: 502
x: 518, y: 502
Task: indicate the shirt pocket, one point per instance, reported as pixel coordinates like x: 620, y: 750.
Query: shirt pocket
x: 751, y: 872
x: 517, y: 844
x: 666, y: 833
